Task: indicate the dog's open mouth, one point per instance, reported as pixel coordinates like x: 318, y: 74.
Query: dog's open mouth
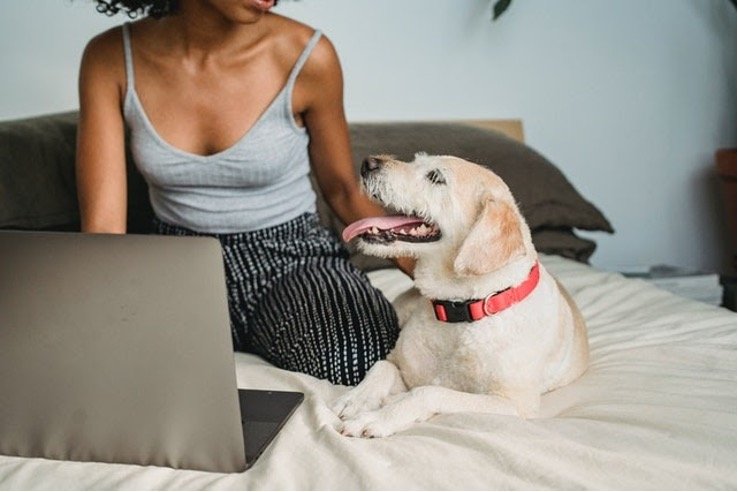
x: 383, y: 230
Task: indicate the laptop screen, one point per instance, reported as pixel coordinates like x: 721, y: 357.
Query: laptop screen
x: 117, y: 348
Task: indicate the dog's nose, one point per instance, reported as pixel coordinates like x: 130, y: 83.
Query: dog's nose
x: 371, y: 164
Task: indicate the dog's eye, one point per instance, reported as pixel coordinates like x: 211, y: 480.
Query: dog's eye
x: 436, y: 177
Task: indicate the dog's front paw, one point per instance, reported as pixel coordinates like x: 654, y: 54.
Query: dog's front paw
x: 388, y: 420
x: 370, y: 424
x: 356, y: 401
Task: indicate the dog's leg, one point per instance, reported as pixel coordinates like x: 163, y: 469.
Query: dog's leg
x: 382, y: 380
x: 423, y: 402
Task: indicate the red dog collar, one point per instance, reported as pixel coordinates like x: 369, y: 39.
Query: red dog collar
x: 474, y: 310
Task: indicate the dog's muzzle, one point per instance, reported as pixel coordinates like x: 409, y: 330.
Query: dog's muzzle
x: 404, y: 226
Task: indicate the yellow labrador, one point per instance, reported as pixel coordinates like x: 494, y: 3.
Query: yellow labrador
x: 488, y: 328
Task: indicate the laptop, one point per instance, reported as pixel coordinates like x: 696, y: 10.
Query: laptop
x: 117, y: 348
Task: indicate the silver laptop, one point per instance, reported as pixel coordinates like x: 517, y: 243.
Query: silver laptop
x: 117, y: 348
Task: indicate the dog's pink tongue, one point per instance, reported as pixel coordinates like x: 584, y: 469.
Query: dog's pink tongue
x: 384, y: 223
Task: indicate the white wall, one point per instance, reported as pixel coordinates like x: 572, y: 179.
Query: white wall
x: 630, y: 98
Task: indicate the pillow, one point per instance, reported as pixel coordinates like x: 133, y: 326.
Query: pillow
x: 37, y: 184
x: 563, y: 242
x: 547, y: 200
x: 38, y: 191
x: 37, y: 181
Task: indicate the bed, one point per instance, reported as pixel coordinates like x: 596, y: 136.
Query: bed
x: 655, y: 410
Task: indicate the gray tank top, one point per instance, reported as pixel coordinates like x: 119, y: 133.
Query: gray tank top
x: 260, y: 181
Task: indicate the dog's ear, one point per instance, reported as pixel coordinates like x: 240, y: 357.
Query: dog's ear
x: 493, y: 241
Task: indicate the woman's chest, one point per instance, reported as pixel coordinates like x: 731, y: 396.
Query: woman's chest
x: 266, y: 156
x: 207, y: 111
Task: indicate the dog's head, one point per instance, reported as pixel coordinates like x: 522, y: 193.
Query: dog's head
x: 446, y: 208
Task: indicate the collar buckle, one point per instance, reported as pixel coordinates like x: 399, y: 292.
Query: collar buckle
x: 453, y: 311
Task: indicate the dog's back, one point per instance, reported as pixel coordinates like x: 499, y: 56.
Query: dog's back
x: 580, y: 344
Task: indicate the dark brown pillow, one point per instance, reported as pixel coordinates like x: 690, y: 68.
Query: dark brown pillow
x: 37, y: 186
x: 37, y: 182
x: 563, y: 242
x: 546, y: 198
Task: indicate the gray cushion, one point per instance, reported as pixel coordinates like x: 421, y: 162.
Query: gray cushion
x: 37, y: 187
x: 37, y: 182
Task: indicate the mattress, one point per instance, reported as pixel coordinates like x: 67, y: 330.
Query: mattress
x: 655, y: 410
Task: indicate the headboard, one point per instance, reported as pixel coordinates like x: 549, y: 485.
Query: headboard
x: 511, y: 128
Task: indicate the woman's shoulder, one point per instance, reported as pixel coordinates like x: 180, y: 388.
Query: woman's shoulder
x: 103, y: 54
x: 293, y: 37
x: 106, y: 43
x: 288, y: 30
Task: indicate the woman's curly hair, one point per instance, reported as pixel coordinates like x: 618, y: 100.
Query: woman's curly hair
x: 136, y: 8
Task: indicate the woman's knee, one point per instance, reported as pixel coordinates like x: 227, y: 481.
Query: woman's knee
x: 328, y: 322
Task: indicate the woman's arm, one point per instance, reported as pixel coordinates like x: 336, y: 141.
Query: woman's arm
x: 330, y: 149
x: 101, y: 165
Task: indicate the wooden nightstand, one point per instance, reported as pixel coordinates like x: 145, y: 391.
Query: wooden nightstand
x: 725, y: 165
x: 728, y: 283
x: 726, y: 170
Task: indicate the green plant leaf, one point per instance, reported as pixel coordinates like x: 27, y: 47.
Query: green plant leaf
x: 500, y: 7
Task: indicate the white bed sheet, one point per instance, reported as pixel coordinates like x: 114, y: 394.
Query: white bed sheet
x: 655, y: 410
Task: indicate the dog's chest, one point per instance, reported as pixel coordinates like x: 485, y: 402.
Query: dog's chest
x: 458, y: 356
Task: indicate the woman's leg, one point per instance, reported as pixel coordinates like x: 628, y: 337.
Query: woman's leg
x: 325, y: 319
x: 295, y: 300
x: 238, y: 283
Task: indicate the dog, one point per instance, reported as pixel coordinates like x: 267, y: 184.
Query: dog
x: 486, y: 328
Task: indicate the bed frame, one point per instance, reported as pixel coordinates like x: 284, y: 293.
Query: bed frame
x: 512, y: 128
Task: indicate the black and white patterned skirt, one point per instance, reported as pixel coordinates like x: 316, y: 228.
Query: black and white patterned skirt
x: 295, y: 300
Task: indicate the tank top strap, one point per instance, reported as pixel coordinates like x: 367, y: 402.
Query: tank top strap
x: 303, y: 58
x: 128, y: 54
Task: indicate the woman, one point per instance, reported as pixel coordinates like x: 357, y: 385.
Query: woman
x: 228, y: 106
